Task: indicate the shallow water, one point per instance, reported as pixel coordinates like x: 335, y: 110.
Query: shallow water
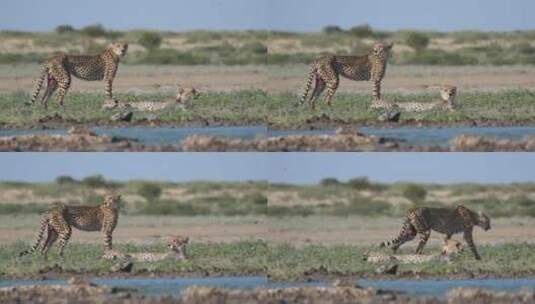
x: 441, y: 287
x: 435, y: 136
x: 173, y: 286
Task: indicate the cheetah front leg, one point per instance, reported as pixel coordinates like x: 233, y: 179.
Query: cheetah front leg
x: 376, y: 91
x: 470, y: 241
x: 424, y: 237
x: 109, y: 90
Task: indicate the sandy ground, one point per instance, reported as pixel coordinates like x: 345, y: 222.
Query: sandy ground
x: 324, y: 230
x: 358, y: 230
x: 407, y: 79
x: 145, y: 229
x: 279, y: 79
x: 134, y: 79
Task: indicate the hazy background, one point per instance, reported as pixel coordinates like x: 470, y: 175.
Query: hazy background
x: 275, y: 167
x: 294, y: 15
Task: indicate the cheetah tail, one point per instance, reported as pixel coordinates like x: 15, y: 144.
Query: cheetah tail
x: 401, y: 236
x: 39, y: 84
x: 44, y: 227
x: 308, y: 85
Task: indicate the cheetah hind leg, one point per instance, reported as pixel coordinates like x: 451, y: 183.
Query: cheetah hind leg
x: 51, y: 238
x: 52, y: 86
x: 318, y: 89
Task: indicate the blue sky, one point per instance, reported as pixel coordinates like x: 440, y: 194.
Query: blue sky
x: 292, y: 15
x: 275, y: 167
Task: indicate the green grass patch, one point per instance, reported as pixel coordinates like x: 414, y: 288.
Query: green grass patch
x: 279, y: 262
x: 246, y: 257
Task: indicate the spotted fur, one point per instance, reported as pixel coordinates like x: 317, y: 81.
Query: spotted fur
x: 447, y: 94
x: 183, y: 98
x: 59, y: 70
x: 450, y: 249
x: 59, y: 221
x: 176, y: 244
x: 443, y: 220
x: 327, y: 71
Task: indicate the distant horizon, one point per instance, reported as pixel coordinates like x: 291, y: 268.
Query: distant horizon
x: 53, y: 180
x: 270, y: 30
x: 282, y: 15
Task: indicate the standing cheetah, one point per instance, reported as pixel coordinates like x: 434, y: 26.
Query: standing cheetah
x: 59, y: 70
x: 327, y: 70
x: 447, y: 221
x: 59, y: 221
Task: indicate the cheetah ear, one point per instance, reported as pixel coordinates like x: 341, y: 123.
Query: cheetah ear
x: 180, y: 89
x: 389, y: 45
x: 186, y: 240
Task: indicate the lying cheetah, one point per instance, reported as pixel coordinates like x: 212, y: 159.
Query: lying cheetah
x: 451, y: 248
x: 183, y: 99
x: 59, y: 70
x: 177, y: 245
x: 447, y: 94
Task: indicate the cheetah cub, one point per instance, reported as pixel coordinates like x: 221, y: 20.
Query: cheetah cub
x: 186, y: 94
x: 183, y: 99
x: 176, y: 244
x: 450, y: 249
x: 447, y: 102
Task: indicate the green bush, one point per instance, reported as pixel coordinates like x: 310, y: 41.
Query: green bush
x: 150, y: 40
x: 7, y: 208
x: 171, y: 56
x: 414, y: 192
x: 329, y: 181
x: 282, y: 211
x: 255, y: 47
x: 437, y: 57
x: 418, y: 41
x: 359, y: 183
x: 64, y: 28
x: 65, y: 179
x: 95, y: 181
x: 363, y: 207
x: 362, y: 31
x: 331, y: 29
x: 150, y: 191
x: 94, y: 30
x: 169, y: 207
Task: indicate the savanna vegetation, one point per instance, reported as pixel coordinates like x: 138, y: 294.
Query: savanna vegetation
x: 252, y: 47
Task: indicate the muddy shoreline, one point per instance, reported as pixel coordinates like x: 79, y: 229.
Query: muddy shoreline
x: 56, y: 121
x: 338, y: 292
x: 344, y: 140
x: 309, y: 276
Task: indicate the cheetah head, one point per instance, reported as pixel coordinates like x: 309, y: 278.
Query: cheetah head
x: 177, y: 243
x: 112, y: 201
x: 119, y: 48
x: 483, y: 221
x: 452, y: 247
x: 186, y: 94
x: 448, y: 93
x: 382, y: 50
